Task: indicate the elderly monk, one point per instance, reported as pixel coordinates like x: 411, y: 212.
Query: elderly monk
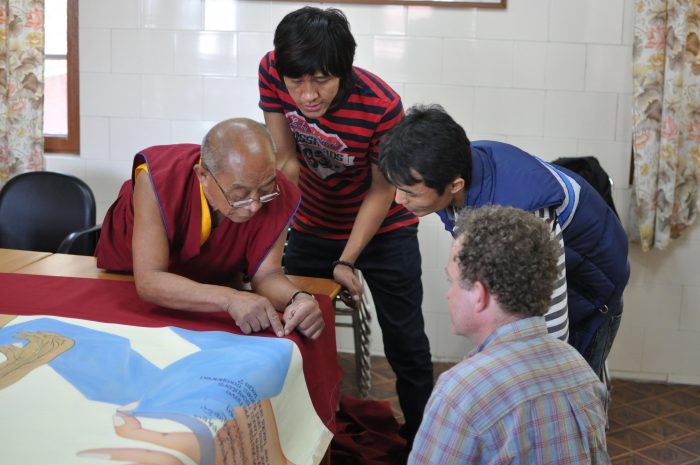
x: 192, y: 219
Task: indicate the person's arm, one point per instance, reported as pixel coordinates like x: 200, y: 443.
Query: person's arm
x: 155, y: 284
x: 369, y: 217
x: 286, y: 153
x: 270, y: 281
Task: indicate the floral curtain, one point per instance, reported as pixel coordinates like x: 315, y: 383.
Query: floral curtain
x: 666, y: 118
x: 21, y: 87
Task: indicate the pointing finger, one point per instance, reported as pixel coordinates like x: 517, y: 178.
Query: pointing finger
x: 275, y: 321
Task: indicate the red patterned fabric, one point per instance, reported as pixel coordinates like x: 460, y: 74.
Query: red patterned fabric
x: 367, y: 434
x: 117, y: 302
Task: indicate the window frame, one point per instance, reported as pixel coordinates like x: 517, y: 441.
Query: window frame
x: 71, y: 142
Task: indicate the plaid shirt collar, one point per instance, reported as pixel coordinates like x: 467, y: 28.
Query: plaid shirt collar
x: 525, y: 328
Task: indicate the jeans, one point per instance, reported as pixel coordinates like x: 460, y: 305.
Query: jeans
x: 597, y: 352
x: 391, y: 266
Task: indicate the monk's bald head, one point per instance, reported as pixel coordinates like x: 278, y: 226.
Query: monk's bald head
x: 237, y: 141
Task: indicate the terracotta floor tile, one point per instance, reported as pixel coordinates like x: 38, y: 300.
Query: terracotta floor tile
x: 656, y: 389
x: 633, y: 458
x: 382, y: 391
x: 657, y: 406
x: 632, y: 439
x: 628, y: 415
x: 667, y: 454
x: 695, y: 390
x: 626, y: 392
x: 440, y: 367
x: 615, y: 450
x: 684, y: 398
x: 688, y: 419
x: 381, y: 368
x: 662, y: 429
x: 614, y: 425
x: 689, y: 443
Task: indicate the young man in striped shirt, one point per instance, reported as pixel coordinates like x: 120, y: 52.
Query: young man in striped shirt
x: 327, y: 118
x: 435, y: 168
x: 520, y: 396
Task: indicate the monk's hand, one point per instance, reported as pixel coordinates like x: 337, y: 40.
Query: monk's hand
x: 304, y: 314
x: 253, y: 313
x: 347, y: 277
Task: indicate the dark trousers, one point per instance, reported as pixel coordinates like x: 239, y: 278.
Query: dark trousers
x: 391, y: 266
x: 599, y: 348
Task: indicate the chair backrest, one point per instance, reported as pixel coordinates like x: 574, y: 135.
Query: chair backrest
x: 39, y: 209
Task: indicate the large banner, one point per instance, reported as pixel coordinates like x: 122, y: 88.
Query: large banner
x: 75, y: 391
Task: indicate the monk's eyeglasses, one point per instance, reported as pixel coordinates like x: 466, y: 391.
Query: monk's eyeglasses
x: 249, y: 201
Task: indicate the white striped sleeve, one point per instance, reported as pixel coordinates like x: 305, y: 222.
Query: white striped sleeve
x: 557, y: 317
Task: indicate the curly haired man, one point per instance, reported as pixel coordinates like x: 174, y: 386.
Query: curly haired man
x: 521, y: 396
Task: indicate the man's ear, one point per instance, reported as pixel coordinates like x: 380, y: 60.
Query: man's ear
x: 457, y: 185
x: 481, y: 297
x: 199, y: 171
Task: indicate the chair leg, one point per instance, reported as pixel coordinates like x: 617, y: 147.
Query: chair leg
x: 361, y: 331
x: 360, y: 320
x: 608, y: 386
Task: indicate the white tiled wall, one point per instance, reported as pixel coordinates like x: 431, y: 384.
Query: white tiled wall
x: 552, y: 76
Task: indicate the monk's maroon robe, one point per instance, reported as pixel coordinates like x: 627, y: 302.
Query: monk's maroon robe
x: 230, y: 248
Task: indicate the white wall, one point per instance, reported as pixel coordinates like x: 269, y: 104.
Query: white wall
x: 552, y: 76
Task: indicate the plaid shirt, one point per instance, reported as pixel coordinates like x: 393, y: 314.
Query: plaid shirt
x: 521, y: 397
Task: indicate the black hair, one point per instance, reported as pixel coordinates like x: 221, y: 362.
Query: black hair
x: 428, y: 141
x: 310, y: 39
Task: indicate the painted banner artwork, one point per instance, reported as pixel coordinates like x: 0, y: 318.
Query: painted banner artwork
x: 75, y: 391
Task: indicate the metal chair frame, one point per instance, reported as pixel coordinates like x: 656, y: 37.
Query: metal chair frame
x: 360, y: 322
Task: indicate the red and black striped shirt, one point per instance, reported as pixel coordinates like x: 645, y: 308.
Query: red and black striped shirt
x: 335, y: 151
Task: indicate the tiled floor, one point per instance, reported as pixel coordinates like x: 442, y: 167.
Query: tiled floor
x: 650, y: 423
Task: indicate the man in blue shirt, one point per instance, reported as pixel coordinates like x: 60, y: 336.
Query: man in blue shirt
x: 435, y: 168
x: 521, y: 396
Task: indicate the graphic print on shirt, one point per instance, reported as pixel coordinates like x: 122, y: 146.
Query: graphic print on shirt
x: 324, y: 153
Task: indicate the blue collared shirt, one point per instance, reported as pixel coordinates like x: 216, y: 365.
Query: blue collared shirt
x: 521, y: 397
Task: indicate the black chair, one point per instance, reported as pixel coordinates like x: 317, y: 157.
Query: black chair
x: 49, y: 212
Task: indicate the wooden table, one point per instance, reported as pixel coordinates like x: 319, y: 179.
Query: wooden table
x: 80, y: 266
x: 12, y: 260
